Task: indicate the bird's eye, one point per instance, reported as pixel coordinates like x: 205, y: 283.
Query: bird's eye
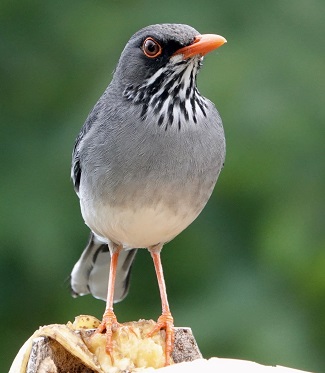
x: 151, y: 48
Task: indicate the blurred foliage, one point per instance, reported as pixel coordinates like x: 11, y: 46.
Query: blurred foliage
x: 249, y: 274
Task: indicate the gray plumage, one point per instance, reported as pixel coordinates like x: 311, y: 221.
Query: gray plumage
x: 147, y: 158
x: 90, y: 273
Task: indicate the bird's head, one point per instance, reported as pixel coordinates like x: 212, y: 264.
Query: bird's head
x: 162, y: 46
x: 159, y: 65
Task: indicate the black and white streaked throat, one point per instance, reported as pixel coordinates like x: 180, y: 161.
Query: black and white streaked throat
x: 170, y: 95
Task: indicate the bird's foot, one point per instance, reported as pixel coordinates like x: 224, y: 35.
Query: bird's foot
x: 108, y: 326
x: 165, y: 321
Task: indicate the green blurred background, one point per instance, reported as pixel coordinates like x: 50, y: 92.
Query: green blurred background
x: 249, y: 274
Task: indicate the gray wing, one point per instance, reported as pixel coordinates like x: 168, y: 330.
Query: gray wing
x: 92, y: 117
x: 90, y: 273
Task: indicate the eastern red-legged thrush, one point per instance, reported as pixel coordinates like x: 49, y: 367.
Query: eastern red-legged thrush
x: 145, y: 163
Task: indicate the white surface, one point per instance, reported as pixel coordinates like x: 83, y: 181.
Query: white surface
x: 218, y: 365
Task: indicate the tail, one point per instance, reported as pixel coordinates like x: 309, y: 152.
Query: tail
x: 90, y: 273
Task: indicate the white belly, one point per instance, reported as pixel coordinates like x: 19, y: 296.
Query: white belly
x: 137, y: 228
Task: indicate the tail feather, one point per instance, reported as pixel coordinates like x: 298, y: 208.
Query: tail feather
x: 90, y: 273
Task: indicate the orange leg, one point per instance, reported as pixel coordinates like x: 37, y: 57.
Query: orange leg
x: 109, y: 322
x: 165, y: 321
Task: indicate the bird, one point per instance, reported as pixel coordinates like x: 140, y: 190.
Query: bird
x: 145, y: 164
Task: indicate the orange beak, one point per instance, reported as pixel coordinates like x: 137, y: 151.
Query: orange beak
x: 202, y: 45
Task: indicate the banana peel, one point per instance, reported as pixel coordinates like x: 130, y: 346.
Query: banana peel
x: 66, y: 336
x: 76, y: 342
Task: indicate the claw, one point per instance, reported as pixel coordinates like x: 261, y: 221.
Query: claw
x: 165, y: 321
x: 108, y: 325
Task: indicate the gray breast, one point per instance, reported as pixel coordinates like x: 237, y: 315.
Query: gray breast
x: 138, y: 161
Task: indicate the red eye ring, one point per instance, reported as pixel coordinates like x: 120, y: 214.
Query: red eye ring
x: 151, y: 48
